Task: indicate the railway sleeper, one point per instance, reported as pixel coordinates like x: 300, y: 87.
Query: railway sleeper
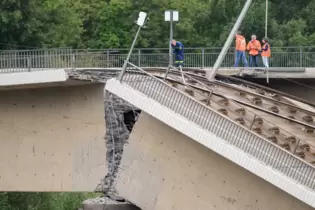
x: 285, y: 146
x: 240, y: 93
x: 240, y: 120
x: 290, y: 121
x: 241, y: 111
x: 191, y: 81
x: 257, y: 130
x: 308, y: 118
x: 260, y: 91
x: 223, y: 111
x: 292, y: 110
x: 305, y: 147
x: 273, y: 109
x: 256, y: 101
x: 307, y: 129
x: 276, y: 97
x: 291, y: 139
x: 174, y: 84
x: 224, y: 101
x: 300, y: 154
x: 206, y: 101
x: 274, y: 130
x: 258, y: 120
x: 273, y: 139
x: 189, y: 91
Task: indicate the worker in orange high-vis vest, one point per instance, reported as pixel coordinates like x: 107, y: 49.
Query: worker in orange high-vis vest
x: 265, y: 52
x: 254, y: 48
x: 240, y: 49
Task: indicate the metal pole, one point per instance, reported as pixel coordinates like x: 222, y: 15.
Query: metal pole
x: 167, y: 71
x: 266, y: 19
x: 211, y: 74
x: 123, y: 70
x: 171, y: 37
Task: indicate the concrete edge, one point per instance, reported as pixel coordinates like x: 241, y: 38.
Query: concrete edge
x: 211, y: 141
x: 105, y: 206
x: 35, y: 77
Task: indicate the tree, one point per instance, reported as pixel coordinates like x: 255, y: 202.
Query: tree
x: 39, y: 23
x: 39, y: 201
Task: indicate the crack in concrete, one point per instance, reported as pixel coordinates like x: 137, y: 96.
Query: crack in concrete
x: 117, y: 135
x: 117, y: 132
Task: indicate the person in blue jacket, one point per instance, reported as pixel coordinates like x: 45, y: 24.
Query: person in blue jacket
x: 178, y: 50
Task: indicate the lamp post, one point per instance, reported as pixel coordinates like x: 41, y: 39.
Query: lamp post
x: 266, y: 19
x: 140, y: 22
x: 171, y: 15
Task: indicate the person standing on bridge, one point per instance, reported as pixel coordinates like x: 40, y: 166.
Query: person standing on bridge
x: 178, y: 50
x: 266, y: 52
x: 254, y: 47
x: 240, y: 49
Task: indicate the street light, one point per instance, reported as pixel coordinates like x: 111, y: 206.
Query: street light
x: 266, y: 20
x: 170, y: 16
x: 142, y: 18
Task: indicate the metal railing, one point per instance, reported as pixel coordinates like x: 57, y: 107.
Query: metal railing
x: 29, y: 60
x: 40, y: 59
x: 262, y: 149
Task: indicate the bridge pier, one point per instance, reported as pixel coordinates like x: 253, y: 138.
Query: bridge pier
x: 52, y: 139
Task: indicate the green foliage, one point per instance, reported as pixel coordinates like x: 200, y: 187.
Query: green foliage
x: 110, y: 23
x: 40, y: 201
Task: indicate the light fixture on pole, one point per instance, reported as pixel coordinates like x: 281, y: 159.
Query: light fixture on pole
x: 142, y: 19
x: 170, y: 16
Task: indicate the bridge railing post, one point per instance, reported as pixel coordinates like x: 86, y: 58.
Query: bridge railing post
x: 139, y: 57
x: 301, y: 57
x: 28, y: 63
x: 203, y: 57
x: 107, y: 58
x: 73, y: 61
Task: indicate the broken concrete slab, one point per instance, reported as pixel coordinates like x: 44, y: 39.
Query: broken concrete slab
x: 163, y: 169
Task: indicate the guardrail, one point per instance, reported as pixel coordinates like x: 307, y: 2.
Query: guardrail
x: 263, y: 150
x: 28, y: 60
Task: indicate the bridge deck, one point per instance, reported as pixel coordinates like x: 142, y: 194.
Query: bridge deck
x: 276, y: 118
x: 273, y: 72
x: 270, y: 126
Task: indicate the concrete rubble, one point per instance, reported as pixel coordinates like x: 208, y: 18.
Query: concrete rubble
x: 105, y: 203
x: 116, y: 137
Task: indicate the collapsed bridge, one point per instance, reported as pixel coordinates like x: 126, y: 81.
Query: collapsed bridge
x: 266, y: 132
x: 204, y: 144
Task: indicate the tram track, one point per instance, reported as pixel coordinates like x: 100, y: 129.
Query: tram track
x: 262, y: 110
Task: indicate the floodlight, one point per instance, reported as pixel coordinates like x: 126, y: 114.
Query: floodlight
x: 141, y: 18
